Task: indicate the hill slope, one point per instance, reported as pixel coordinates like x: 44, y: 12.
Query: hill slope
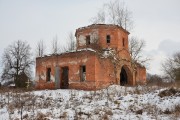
x: 114, y: 103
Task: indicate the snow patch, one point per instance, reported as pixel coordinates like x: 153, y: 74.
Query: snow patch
x: 115, y: 103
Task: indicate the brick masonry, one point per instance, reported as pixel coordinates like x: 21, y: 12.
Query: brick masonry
x: 92, y: 51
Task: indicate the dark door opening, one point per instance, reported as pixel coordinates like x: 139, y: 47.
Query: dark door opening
x: 83, y: 73
x: 48, y: 74
x: 65, y: 78
x: 123, y: 77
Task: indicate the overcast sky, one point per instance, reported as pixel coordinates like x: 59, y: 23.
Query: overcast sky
x: 156, y: 21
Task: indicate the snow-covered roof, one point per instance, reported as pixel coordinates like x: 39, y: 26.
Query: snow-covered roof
x: 84, y: 49
x: 73, y: 51
x: 12, y: 85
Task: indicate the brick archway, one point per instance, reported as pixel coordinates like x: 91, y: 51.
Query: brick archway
x: 126, y: 76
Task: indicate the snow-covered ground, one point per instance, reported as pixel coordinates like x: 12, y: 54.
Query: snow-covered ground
x: 114, y: 103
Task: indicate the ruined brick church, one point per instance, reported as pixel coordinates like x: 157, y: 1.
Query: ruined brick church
x: 101, y: 59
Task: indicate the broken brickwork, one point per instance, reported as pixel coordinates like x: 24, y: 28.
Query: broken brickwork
x: 102, y: 58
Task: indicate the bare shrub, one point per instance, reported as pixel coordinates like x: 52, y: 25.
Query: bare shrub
x: 11, y: 109
x: 168, y: 92
x: 137, y: 90
x: 25, y: 116
x: 117, y: 102
x: 177, y: 108
x: 41, y: 116
x: 105, y: 117
x: 171, y: 67
x: 167, y: 111
x: 177, y: 111
x: 109, y: 112
x: 139, y: 111
x: 83, y: 113
x: 64, y: 115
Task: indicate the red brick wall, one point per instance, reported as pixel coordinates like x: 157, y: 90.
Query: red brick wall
x: 104, y: 72
x: 116, y: 33
x: 99, y: 71
x: 141, y: 75
x: 71, y: 60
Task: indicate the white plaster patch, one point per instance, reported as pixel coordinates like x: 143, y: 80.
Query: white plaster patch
x: 43, y: 77
x: 52, y: 78
x: 43, y: 63
x: 73, y: 62
x: 77, y: 72
x: 70, y: 79
x: 82, y: 40
x: 54, y: 64
x: 37, y: 77
x: 94, y: 36
x: 84, y: 60
x: 62, y: 63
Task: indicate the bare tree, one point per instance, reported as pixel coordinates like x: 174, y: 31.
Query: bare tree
x: 171, y: 67
x: 136, y: 47
x: 111, y: 12
x: 40, y: 49
x: 16, y: 60
x: 55, y: 48
x: 128, y: 22
x: 168, y: 69
x: 99, y: 18
x: 116, y: 13
x: 154, y: 79
x: 71, y: 44
x: 120, y: 15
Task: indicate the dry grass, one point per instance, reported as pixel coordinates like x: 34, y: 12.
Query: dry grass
x: 139, y: 111
x: 169, y: 92
x: 30, y: 102
x: 177, y: 111
x: 41, y: 116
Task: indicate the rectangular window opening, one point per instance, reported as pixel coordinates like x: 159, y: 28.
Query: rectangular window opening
x: 84, y: 69
x: 108, y: 38
x: 82, y: 73
x: 123, y: 42
x: 88, y: 40
x: 48, y: 77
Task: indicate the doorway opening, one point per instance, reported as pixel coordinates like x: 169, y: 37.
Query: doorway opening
x: 82, y: 73
x: 65, y: 78
x: 123, y: 77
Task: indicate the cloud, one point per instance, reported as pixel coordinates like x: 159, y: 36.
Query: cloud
x: 169, y: 47
x: 156, y: 59
x: 166, y: 48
